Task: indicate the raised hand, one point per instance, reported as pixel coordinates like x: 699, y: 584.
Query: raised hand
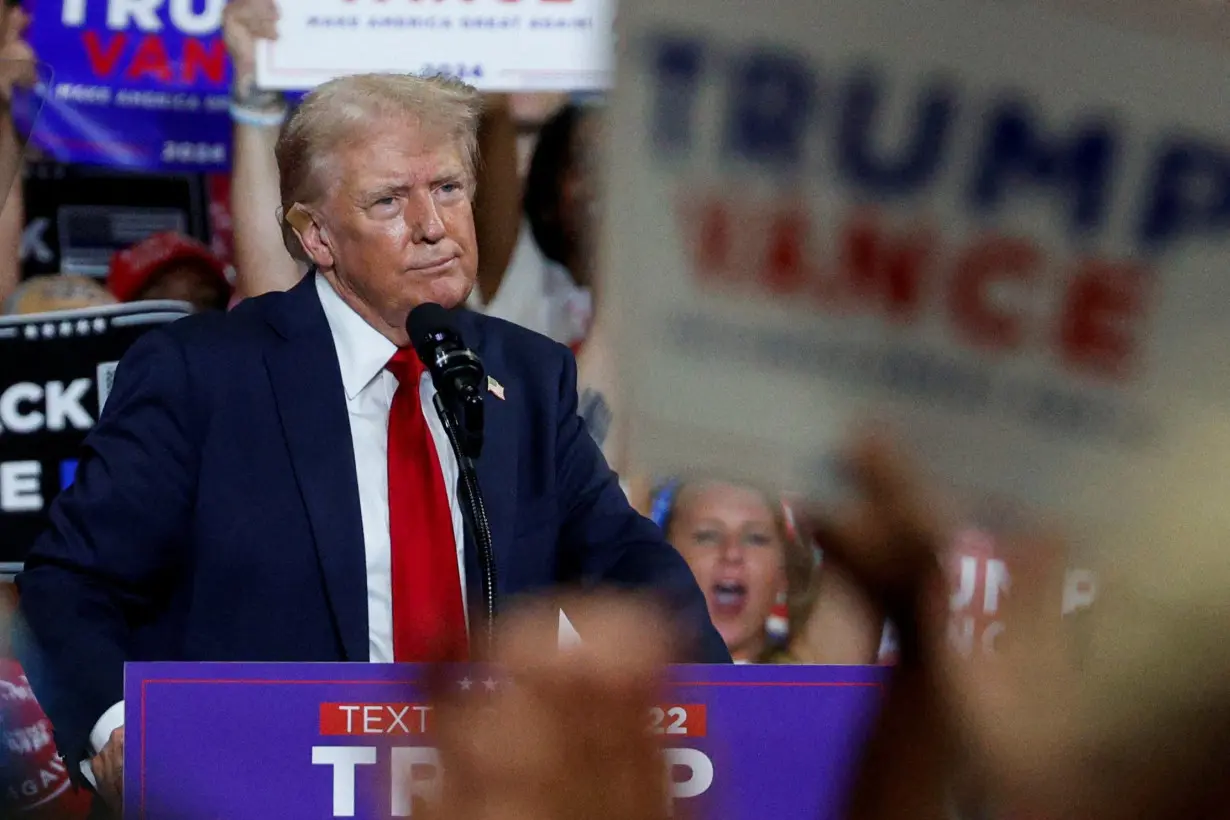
x: 17, y: 58
x: 568, y: 738
x: 243, y: 23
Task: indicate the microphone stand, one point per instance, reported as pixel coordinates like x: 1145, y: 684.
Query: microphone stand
x: 475, y: 512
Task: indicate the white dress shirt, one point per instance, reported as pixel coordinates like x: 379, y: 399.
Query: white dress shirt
x: 362, y: 353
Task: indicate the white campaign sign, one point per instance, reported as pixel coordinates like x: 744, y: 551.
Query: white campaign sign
x: 999, y: 228
x: 495, y: 45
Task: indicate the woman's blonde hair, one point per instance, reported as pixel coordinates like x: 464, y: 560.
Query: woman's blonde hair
x: 341, y: 110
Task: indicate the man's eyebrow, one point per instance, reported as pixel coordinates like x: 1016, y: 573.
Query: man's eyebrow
x: 449, y: 175
x: 381, y: 191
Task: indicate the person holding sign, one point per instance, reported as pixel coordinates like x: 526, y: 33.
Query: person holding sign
x: 274, y: 483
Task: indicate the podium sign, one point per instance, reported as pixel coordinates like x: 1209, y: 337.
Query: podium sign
x: 254, y: 741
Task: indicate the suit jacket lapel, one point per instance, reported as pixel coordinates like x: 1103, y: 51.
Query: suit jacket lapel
x: 307, y: 386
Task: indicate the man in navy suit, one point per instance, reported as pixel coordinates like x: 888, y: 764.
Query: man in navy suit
x: 245, y: 495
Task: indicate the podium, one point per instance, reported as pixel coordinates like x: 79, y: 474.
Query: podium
x: 308, y: 741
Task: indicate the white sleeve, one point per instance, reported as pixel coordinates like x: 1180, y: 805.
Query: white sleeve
x: 111, y: 720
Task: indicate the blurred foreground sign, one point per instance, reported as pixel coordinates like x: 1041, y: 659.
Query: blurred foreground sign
x: 495, y: 45
x: 254, y: 741
x: 56, y: 370
x: 1001, y: 229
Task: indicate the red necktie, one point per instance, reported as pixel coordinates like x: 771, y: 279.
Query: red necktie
x: 428, y: 614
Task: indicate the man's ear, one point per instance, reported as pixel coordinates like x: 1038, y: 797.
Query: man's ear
x: 311, y: 235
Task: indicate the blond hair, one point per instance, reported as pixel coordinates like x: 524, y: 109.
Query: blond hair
x: 51, y: 292
x: 340, y: 110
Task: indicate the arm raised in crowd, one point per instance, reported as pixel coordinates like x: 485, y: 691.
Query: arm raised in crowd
x: 262, y: 263
x: 13, y: 212
x: 16, y: 70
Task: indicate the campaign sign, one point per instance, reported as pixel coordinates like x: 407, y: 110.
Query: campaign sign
x: 254, y: 741
x: 137, y: 85
x: 494, y: 45
x: 992, y: 225
x: 56, y: 370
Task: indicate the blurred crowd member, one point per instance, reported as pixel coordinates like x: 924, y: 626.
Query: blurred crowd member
x: 529, y: 111
x: 170, y: 266
x: 546, y: 284
x: 567, y: 740
x: 559, y: 198
x: 746, y: 554
x: 16, y: 71
x: 1051, y: 724
x: 262, y: 261
x: 34, y: 782
x: 49, y: 292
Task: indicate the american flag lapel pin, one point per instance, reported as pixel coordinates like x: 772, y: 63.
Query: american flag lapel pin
x: 495, y: 388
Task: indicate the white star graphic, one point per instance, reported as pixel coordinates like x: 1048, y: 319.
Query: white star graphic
x: 31, y: 332
x: 490, y: 684
x: 100, y: 325
x: 465, y: 684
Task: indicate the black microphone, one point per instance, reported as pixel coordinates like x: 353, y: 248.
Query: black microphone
x: 456, y: 372
x: 460, y: 383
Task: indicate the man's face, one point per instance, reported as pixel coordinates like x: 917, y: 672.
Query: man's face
x: 396, y: 229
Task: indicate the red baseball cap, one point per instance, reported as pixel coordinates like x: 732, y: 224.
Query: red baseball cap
x: 133, y: 268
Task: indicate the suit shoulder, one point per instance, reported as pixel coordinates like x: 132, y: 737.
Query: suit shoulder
x: 518, y: 340
x: 215, y: 330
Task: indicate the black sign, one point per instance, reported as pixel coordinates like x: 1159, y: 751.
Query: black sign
x: 56, y: 370
x: 78, y: 216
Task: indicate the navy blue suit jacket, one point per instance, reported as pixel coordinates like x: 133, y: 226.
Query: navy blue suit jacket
x: 215, y: 512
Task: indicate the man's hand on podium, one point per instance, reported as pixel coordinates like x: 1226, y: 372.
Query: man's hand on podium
x: 567, y: 736
x: 108, y: 769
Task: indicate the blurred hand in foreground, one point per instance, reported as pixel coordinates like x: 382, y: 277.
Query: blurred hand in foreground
x: 1022, y: 731
x: 568, y: 739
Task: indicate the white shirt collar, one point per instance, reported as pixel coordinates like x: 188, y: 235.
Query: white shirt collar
x: 362, y: 351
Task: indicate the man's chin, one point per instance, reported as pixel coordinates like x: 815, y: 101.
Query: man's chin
x: 449, y: 293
